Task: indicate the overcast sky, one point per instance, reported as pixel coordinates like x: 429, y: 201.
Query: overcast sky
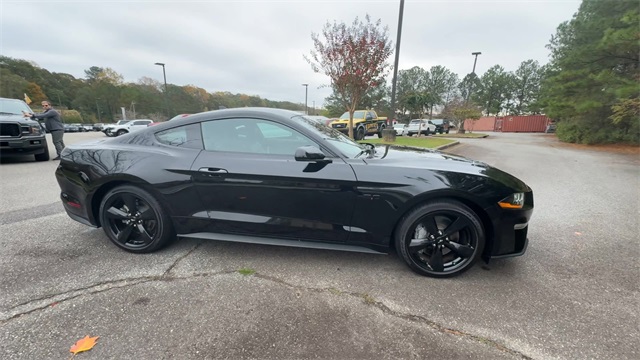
x: 257, y: 47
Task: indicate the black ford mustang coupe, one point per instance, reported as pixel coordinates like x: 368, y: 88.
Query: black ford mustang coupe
x: 268, y: 176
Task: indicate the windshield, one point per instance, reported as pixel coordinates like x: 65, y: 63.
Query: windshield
x: 120, y: 122
x: 11, y: 106
x: 398, y: 126
x: 347, y: 147
x: 437, y: 121
x: 356, y: 115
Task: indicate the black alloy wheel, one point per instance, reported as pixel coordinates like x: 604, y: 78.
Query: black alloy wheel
x: 440, y: 239
x: 121, y: 132
x: 134, y: 220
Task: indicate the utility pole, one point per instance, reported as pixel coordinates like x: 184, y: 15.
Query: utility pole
x: 98, y: 110
x: 395, y: 66
x: 306, y: 110
x: 166, y: 95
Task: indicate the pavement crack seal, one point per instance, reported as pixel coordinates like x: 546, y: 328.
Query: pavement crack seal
x: 175, y: 263
x: 55, y: 299
x: 48, y: 301
x: 370, y: 301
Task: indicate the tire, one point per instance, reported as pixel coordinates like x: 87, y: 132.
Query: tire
x: 380, y: 131
x: 451, y: 251
x: 45, y: 155
x: 360, y: 133
x: 134, y: 220
x: 121, y: 132
x: 427, y: 132
x: 446, y: 132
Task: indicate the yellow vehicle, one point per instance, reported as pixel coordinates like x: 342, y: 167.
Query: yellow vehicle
x: 365, y: 122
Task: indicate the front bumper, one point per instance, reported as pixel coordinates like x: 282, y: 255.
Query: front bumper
x: 25, y: 145
x: 509, y: 232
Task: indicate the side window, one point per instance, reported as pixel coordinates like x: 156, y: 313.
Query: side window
x: 253, y: 136
x: 140, y: 122
x: 187, y: 136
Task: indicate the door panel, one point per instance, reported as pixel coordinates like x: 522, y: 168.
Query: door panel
x: 255, y: 192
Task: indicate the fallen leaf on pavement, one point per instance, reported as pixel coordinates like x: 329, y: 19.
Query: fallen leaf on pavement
x: 84, y: 344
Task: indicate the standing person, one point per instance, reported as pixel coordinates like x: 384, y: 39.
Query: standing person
x: 53, y: 122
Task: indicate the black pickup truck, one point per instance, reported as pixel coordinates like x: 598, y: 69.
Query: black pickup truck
x: 20, y: 135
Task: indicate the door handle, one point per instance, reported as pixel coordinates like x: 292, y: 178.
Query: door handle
x: 209, y: 170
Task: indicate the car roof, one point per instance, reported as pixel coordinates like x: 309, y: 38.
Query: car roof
x: 260, y: 112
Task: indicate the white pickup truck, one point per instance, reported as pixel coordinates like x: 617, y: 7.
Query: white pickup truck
x: 126, y: 126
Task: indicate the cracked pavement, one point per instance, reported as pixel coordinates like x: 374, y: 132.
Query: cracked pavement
x: 571, y: 296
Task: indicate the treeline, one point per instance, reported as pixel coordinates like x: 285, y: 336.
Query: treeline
x: 590, y: 86
x: 100, y: 96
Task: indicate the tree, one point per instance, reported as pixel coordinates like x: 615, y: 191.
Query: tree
x: 410, y: 82
x: 494, y: 85
x: 458, y: 110
x: 353, y: 57
x: 468, y: 85
x: 592, y: 80
x: 35, y: 92
x: 439, y: 84
x: 526, y: 86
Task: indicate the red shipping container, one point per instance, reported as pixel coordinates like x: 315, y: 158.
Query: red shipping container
x: 486, y: 123
x: 528, y: 123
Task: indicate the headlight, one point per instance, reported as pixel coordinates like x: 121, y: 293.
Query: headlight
x: 35, y: 130
x: 514, y: 201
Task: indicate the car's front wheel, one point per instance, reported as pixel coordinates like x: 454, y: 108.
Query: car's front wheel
x: 134, y: 220
x: 121, y: 132
x: 360, y: 133
x: 440, y: 239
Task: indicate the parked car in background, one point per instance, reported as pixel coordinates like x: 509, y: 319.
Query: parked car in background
x: 71, y: 128
x: 272, y: 177
x: 107, y: 128
x: 420, y: 126
x: 442, y: 125
x: 20, y: 135
x: 87, y: 127
x: 98, y: 127
x: 131, y: 126
x: 401, y: 129
x: 365, y: 122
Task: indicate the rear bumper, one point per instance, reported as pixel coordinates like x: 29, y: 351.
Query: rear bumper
x: 23, y: 145
x: 74, y: 199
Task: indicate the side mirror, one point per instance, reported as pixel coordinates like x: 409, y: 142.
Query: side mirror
x: 310, y: 153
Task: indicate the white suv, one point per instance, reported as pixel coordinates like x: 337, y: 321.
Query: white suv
x: 421, y: 126
x: 130, y: 126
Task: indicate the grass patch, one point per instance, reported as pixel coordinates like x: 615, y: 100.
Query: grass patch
x: 246, y: 271
x: 429, y: 142
x: 465, y: 135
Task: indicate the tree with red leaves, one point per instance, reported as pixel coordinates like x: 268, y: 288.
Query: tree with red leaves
x: 354, y: 57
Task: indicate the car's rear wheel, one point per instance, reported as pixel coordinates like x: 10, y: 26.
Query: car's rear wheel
x: 440, y: 239
x: 134, y: 220
x: 121, y: 132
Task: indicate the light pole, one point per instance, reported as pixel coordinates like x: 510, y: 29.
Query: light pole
x: 98, y: 110
x: 475, y: 60
x: 314, y: 107
x: 395, y: 70
x: 473, y: 72
x: 166, y: 96
x: 306, y: 87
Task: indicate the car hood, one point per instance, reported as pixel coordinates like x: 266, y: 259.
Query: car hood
x: 17, y: 118
x: 409, y: 157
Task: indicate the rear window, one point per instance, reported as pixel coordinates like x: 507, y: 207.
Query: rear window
x: 188, y: 136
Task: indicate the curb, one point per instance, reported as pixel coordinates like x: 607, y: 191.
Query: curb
x: 442, y: 147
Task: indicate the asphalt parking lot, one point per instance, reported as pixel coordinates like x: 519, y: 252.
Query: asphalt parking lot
x: 573, y: 295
